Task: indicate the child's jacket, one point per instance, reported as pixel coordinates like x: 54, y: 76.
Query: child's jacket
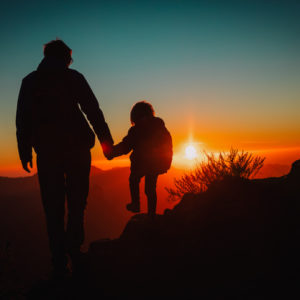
x: 151, y: 143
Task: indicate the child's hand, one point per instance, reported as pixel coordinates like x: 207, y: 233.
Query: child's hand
x: 109, y: 156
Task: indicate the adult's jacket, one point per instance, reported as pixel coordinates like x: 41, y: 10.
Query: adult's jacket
x: 50, y: 110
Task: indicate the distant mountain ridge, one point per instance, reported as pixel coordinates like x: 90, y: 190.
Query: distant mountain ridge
x: 273, y: 170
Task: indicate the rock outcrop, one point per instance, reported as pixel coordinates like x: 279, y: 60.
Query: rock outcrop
x: 238, y: 238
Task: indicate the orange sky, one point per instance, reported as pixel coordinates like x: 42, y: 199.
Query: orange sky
x: 222, y: 75
x: 10, y: 166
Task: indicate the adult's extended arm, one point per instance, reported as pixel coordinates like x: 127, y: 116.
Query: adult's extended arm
x: 90, y: 106
x: 24, y: 126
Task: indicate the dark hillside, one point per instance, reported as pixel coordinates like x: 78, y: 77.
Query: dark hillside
x: 23, y: 235
x: 239, y: 239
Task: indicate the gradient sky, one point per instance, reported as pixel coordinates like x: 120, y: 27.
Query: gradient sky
x: 225, y: 72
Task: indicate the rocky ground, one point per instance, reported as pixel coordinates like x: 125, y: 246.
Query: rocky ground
x: 237, y: 240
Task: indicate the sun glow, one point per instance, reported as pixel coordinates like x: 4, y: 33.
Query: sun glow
x: 190, y: 152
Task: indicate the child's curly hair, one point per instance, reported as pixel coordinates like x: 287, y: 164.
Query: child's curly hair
x: 139, y: 110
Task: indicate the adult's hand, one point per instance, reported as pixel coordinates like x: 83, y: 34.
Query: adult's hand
x: 25, y: 165
x: 107, y: 150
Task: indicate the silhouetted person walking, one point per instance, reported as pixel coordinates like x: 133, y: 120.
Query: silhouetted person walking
x: 50, y: 119
x: 151, y: 146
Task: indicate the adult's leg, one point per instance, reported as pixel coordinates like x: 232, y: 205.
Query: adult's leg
x: 150, y: 191
x: 52, y: 186
x: 78, y: 165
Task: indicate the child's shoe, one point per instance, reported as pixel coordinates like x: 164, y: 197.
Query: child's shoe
x: 133, y: 207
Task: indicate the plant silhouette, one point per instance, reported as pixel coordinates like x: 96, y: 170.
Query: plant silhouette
x: 214, y: 168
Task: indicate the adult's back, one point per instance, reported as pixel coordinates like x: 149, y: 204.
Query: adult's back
x: 50, y: 110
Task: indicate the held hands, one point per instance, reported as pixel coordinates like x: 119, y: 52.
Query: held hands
x: 109, y: 156
x: 108, y: 151
x: 25, y: 165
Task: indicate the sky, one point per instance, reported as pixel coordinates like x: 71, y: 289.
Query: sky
x: 219, y: 73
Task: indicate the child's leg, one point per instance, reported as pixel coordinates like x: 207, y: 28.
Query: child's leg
x: 134, y: 184
x: 150, y: 191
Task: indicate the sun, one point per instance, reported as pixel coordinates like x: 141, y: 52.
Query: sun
x: 190, y: 152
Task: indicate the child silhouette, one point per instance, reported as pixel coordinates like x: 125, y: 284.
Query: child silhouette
x: 151, y: 146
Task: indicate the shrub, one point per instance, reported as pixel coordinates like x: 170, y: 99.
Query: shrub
x: 214, y: 168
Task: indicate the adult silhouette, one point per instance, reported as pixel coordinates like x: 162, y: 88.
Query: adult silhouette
x: 50, y: 119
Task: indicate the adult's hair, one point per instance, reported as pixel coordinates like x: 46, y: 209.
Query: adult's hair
x: 140, y: 110
x: 58, y: 49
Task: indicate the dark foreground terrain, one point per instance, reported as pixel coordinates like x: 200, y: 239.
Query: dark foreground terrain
x: 24, y: 249
x: 237, y: 240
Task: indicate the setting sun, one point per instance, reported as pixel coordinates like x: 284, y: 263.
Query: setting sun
x: 190, y: 152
